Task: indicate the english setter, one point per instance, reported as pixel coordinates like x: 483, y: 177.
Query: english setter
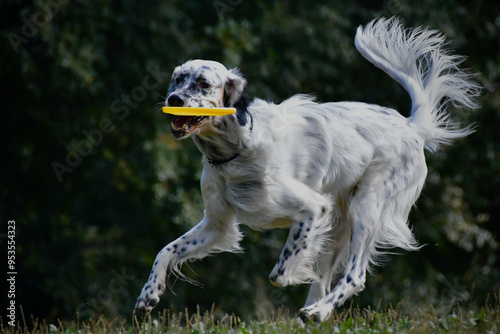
x: 341, y: 176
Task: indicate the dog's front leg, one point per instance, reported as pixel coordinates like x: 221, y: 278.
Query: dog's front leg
x: 297, y: 262
x: 206, y: 237
x: 309, y: 229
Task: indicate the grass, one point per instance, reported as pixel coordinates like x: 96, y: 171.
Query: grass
x: 400, y: 319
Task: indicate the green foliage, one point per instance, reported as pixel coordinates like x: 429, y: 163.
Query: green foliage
x: 97, y: 185
x: 401, y: 319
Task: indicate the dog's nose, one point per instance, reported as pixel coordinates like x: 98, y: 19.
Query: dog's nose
x: 175, y: 101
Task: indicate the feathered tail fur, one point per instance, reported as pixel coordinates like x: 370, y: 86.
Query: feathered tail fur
x: 416, y: 58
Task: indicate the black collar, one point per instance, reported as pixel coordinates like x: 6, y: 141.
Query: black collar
x: 214, y: 162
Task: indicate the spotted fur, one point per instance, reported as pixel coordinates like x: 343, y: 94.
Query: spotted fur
x: 341, y: 176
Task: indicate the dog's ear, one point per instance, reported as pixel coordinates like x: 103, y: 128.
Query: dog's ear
x: 234, y: 87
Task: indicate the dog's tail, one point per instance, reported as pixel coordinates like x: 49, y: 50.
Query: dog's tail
x: 416, y: 59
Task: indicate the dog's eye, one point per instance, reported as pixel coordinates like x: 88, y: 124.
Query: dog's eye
x: 178, y: 80
x: 204, y: 85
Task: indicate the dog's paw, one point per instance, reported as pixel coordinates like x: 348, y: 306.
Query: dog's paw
x: 293, y: 272
x: 146, y: 304
x: 316, y: 312
x: 149, y: 298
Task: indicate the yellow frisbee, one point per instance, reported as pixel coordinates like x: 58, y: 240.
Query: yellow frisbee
x: 188, y: 111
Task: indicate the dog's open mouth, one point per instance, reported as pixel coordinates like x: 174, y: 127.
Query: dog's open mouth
x: 183, y: 126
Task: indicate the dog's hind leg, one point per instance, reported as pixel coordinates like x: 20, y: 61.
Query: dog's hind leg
x: 378, y: 214
x: 362, y: 246
x: 208, y: 236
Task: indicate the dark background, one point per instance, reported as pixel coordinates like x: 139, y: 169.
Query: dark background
x: 97, y: 186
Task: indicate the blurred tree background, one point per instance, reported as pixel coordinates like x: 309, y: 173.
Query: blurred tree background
x: 97, y: 186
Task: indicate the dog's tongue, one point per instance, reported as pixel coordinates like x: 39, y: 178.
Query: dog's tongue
x: 179, y: 121
x: 185, y: 123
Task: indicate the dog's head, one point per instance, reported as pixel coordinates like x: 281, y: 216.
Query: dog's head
x: 207, y: 84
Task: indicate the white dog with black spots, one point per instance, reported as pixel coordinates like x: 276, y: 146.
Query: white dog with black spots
x: 341, y: 176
